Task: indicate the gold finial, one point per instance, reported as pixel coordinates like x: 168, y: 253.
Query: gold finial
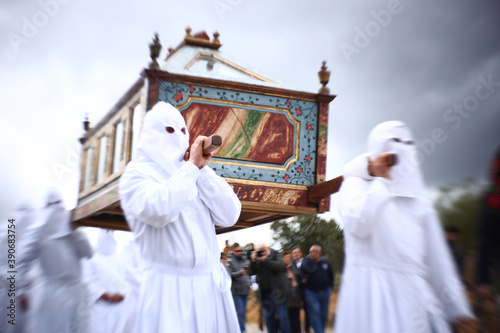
x: 216, y: 38
x: 324, y: 77
x: 86, y: 128
x: 86, y: 123
x: 155, y: 49
x: 188, y: 31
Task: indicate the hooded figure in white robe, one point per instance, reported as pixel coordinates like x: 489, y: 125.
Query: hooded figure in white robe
x: 399, y: 275
x: 59, y: 249
x: 173, y: 206
x: 114, y: 287
x: 23, y: 220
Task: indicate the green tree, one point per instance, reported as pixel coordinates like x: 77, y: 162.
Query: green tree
x: 307, y: 230
x: 459, y: 205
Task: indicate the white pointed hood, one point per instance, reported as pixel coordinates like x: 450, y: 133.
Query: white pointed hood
x: 164, y: 138
x: 25, y: 218
x: 395, y: 137
x: 106, y: 243
x: 56, y: 222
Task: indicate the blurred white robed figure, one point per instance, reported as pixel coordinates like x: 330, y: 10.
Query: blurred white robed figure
x: 173, y: 206
x: 113, y: 285
x: 398, y: 274
x: 24, y: 219
x: 25, y: 216
x: 59, y: 249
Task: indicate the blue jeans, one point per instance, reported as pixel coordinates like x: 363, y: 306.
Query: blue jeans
x: 240, y: 302
x: 269, y: 308
x: 317, y: 308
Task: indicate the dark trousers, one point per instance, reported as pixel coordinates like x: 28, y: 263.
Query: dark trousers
x: 306, y: 321
x: 317, y: 308
x: 240, y: 303
x: 269, y: 309
x: 294, y: 316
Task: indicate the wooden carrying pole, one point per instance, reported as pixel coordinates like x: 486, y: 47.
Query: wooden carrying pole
x: 317, y: 192
x: 211, y: 143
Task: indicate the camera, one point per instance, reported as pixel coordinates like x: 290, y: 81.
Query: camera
x: 260, y: 253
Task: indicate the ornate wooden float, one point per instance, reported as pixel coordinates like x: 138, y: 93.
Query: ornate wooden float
x: 274, y: 138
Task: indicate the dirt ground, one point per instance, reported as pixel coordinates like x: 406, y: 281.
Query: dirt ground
x: 486, y: 312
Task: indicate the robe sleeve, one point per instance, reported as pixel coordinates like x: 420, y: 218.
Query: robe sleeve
x: 153, y: 202
x: 443, y: 274
x: 30, y: 254
x: 83, y: 247
x: 274, y: 262
x: 232, y: 270
x: 361, y: 198
x: 219, y: 197
x: 358, y: 167
x: 360, y: 204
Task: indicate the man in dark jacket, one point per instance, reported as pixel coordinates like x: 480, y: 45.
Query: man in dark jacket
x: 238, y: 266
x: 274, y: 288
x: 297, y: 259
x: 294, y: 302
x: 318, y: 282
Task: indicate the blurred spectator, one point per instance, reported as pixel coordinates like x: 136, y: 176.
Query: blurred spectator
x: 114, y: 288
x: 250, y: 248
x: 452, y: 233
x: 294, y: 302
x: 318, y: 284
x: 223, y: 259
x: 20, y: 231
x: 238, y: 269
x: 268, y: 265
x: 227, y: 248
x: 297, y: 258
x: 59, y: 249
x: 488, y: 266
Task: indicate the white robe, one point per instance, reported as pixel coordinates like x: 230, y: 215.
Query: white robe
x: 398, y: 275
x: 173, y: 217
x: 64, y: 296
x: 109, y: 273
x: 24, y: 218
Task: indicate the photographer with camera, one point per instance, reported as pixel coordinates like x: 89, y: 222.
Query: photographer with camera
x: 274, y: 288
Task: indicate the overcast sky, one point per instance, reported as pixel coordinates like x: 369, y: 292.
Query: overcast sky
x: 432, y: 64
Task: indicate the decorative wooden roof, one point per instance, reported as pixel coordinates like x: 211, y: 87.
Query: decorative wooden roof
x: 198, y: 56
